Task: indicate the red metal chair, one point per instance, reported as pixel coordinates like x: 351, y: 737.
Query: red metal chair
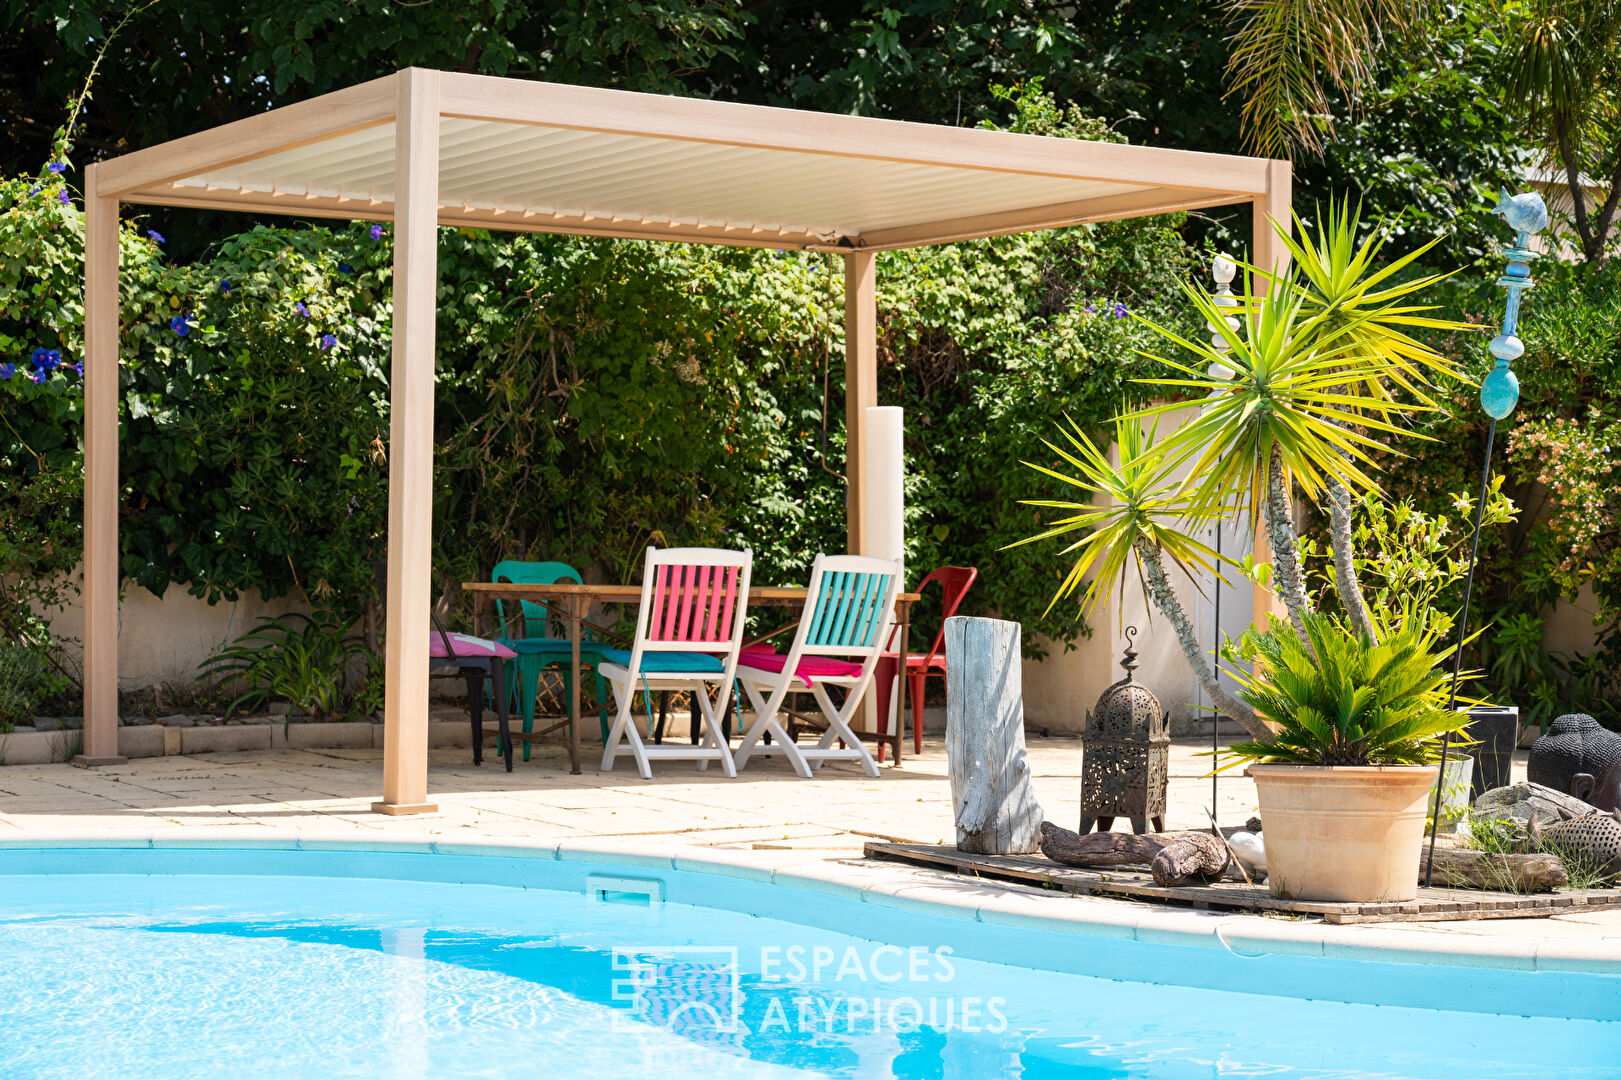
x: 954, y: 584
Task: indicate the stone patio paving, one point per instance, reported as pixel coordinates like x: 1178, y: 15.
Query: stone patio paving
x: 765, y: 812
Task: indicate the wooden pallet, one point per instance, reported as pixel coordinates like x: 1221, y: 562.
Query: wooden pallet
x: 1432, y: 905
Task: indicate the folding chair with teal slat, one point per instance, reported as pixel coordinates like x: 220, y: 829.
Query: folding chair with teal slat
x: 849, y: 609
x: 537, y: 650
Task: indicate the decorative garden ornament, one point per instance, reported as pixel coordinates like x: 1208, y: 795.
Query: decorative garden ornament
x: 1527, y: 214
x: 1125, y: 754
x: 1499, y: 393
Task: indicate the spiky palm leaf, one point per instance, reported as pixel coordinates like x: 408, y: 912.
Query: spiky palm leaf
x: 1287, y: 55
x: 1139, y: 501
x: 1349, y: 700
x: 1317, y: 372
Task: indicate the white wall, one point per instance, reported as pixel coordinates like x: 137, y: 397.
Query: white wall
x: 164, y: 640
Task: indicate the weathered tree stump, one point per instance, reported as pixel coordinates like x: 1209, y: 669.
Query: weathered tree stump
x: 1189, y: 857
x: 1463, y: 869
x: 996, y: 808
x: 1100, y: 849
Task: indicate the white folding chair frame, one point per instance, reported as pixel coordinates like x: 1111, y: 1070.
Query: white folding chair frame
x: 808, y: 641
x: 649, y: 642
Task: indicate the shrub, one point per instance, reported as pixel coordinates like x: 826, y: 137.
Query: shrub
x: 27, y: 678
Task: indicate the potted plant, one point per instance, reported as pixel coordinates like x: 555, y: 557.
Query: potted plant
x: 1344, y: 780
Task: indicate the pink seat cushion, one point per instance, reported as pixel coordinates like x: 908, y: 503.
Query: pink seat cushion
x: 810, y: 668
x: 465, y: 645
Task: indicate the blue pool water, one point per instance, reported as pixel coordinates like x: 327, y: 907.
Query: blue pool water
x: 143, y: 964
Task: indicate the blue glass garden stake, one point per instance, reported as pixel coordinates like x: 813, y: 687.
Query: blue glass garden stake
x: 1499, y: 393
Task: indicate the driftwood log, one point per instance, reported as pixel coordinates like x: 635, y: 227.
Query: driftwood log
x: 1100, y: 849
x: 1462, y: 869
x: 996, y: 808
x: 1194, y: 856
x: 1173, y: 858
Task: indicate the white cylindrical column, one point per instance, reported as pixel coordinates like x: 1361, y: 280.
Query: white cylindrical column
x: 883, y: 498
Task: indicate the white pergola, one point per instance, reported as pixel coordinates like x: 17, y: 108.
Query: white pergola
x: 425, y: 148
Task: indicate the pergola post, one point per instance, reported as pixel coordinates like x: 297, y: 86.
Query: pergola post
x: 100, y: 476
x: 410, y: 453
x: 1267, y: 252
x: 860, y: 381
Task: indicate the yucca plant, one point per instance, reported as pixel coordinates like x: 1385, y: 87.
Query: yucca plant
x: 1323, y: 367
x: 1319, y: 372
x: 1134, y: 515
x: 1345, y: 700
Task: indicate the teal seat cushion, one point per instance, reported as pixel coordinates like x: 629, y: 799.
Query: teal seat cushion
x: 667, y: 661
x: 549, y: 646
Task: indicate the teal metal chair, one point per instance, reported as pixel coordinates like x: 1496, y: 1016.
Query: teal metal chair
x: 538, y: 650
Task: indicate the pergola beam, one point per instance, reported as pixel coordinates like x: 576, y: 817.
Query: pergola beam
x: 320, y: 206
x: 759, y: 127
x: 351, y: 109
x: 1105, y: 208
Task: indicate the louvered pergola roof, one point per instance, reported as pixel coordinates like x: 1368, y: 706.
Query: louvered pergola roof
x: 533, y: 156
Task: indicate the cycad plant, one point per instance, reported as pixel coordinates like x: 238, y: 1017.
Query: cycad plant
x: 1319, y: 373
x: 1340, y: 698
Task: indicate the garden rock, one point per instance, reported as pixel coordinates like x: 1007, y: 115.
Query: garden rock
x: 177, y: 720
x: 1575, y: 743
x: 47, y: 723
x: 1518, y: 802
x: 1594, y: 838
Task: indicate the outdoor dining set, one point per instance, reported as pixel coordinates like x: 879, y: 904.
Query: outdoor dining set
x: 849, y: 636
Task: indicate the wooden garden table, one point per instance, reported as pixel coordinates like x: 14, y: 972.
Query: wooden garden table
x: 573, y: 604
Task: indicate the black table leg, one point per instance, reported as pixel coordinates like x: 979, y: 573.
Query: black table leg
x: 475, y: 712
x: 498, y: 677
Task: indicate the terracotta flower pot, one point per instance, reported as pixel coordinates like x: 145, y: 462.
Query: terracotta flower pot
x: 1350, y: 833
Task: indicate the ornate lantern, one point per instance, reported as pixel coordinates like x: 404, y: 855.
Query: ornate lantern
x: 1125, y: 755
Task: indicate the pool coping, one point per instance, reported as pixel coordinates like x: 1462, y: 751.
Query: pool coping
x: 910, y: 889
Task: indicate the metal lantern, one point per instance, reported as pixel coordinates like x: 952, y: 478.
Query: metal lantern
x: 1125, y: 755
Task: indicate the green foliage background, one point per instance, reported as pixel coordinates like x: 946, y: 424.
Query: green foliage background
x: 593, y: 396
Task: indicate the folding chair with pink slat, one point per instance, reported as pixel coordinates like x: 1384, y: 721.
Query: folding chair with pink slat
x: 849, y: 608
x: 689, y: 630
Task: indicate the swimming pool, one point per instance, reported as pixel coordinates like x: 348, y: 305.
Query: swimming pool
x: 171, y: 962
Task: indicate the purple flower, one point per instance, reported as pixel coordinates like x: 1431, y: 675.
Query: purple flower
x: 1089, y: 307
x: 1119, y: 311
x: 155, y: 235
x: 46, y: 359
x: 40, y: 376
x: 225, y: 286
x: 78, y: 368
x: 64, y: 198
x: 33, y: 191
x: 179, y: 325
x: 376, y: 232
x: 58, y: 167
x: 327, y: 341
x: 7, y: 371
x: 345, y: 268
x: 299, y: 307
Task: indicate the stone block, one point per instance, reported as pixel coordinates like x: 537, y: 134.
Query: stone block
x: 48, y: 723
x: 177, y: 720
x: 223, y: 740
x: 34, y: 747
x: 329, y: 736
x: 148, y: 741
